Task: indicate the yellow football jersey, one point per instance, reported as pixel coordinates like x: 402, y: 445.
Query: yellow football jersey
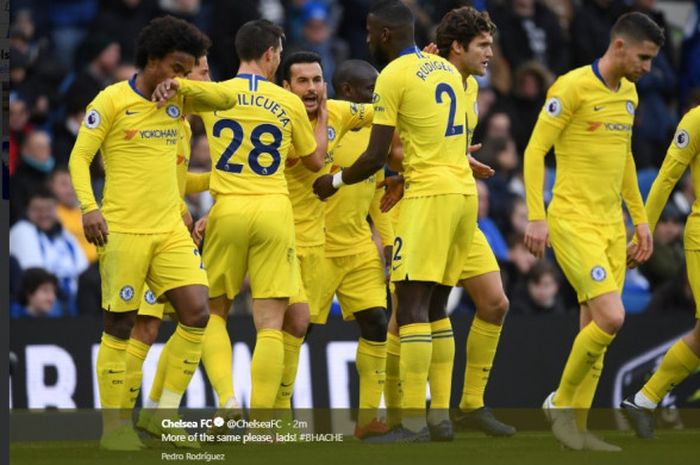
x: 347, y: 229
x: 250, y: 143
x: 422, y: 95
x: 590, y: 127
x: 183, y: 160
x: 471, y: 93
x: 139, y: 144
x: 684, y: 151
x: 308, y: 209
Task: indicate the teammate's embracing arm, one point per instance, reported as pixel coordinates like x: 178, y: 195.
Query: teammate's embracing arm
x: 562, y: 102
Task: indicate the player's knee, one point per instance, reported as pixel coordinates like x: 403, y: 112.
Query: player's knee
x: 197, y: 316
x: 119, y: 325
x: 612, y: 322
x: 493, y: 310
x: 146, y: 329
x: 373, y: 324
x: 296, y: 323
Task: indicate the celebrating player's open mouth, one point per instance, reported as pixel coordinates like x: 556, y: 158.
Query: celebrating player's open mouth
x: 310, y: 101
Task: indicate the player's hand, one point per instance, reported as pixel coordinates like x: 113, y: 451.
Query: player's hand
x: 431, y: 48
x: 537, y: 237
x: 640, y: 247
x: 480, y: 170
x: 323, y: 187
x: 198, y: 231
x: 394, y: 192
x: 187, y: 219
x: 165, y: 91
x: 95, y: 228
x: 322, y: 104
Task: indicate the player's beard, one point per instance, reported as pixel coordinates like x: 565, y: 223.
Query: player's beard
x: 380, y: 57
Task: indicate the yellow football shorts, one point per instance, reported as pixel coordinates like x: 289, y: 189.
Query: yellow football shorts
x: 151, y: 307
x: 433, y: 237
x: 254, y: 235
x: 481, y: 259
x: 358, y: 280
x: 310, y: 262
x: 161, y: 261
x: 593, y: 257
x: 692, y: 260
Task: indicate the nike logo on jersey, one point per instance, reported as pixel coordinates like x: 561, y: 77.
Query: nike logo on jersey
x: 188, y: 362
x: 114, y: 372
x: 129, y: 113
x: 134, y: 389
x: 598, y: 107
x: 286, y: 385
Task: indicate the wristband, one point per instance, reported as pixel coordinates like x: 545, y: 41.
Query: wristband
x: 338, y: 180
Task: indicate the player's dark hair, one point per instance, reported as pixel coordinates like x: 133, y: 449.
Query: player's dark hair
x: 255, y: 37
x: 297, y: 58
x: 639, y: 27
x: 462, y: 24
x: 168, y: 34
x: 351, y: 71
x: 393, y: 13
x: 32, y: 279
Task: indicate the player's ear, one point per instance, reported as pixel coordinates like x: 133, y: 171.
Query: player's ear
x: 457, y: 47
x: 286, y: 85
x: 386, y: 34
x: 347, y: 89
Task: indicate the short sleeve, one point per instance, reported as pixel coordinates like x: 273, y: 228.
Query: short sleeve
x: 387, y: 97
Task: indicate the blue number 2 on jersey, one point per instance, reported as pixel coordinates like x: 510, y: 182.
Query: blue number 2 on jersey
x: 259, y: 147
x: 444, y: 88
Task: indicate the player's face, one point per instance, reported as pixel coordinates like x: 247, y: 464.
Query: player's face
x: 307, y: 83
x: 200, y: 72
x: 362, y: 90
x: 376, y: 37
x: 174, y: 64
x: 478, y: 54
x: 636, y: 58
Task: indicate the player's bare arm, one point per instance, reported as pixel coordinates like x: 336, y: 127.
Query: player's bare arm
x: 369, y: 162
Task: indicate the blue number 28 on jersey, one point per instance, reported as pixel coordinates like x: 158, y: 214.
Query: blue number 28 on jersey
x: 259, y: 147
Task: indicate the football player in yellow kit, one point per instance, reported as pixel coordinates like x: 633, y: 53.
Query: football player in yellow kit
x: 421, y: 96
x: 588, y: 118
x: 250, y: 145
x: 352, y: 268
x: 331, y: 119
x: 139, y: 230
x: 684, y: 355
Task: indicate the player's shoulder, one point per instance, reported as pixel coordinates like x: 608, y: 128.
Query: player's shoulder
x: 688, y: 130
x: 117, y: 92
x: 582, y: 75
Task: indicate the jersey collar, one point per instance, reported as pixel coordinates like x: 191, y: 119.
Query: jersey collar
x: 596, y: 71
x: 132, y: 84
x: 253, y: 80
x: 412, y: 49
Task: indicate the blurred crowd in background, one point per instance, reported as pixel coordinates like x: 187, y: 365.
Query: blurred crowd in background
x: 63, y: 52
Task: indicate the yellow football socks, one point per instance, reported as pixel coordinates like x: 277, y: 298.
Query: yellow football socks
x: 217, y: 358
x: 583, y: 399
x: 589, y: 345
x: 292, y: 348
x: 392, y: 384
x: 111, y: 372
x: 157, y: 386
x: 416, y: 353
x: 371, y: 368
x: 184, y: 354
x: 676, y: 365
x: 136, y: 352
x: 441, y: 362
x: 482, y: 342
x: 266, y: 368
